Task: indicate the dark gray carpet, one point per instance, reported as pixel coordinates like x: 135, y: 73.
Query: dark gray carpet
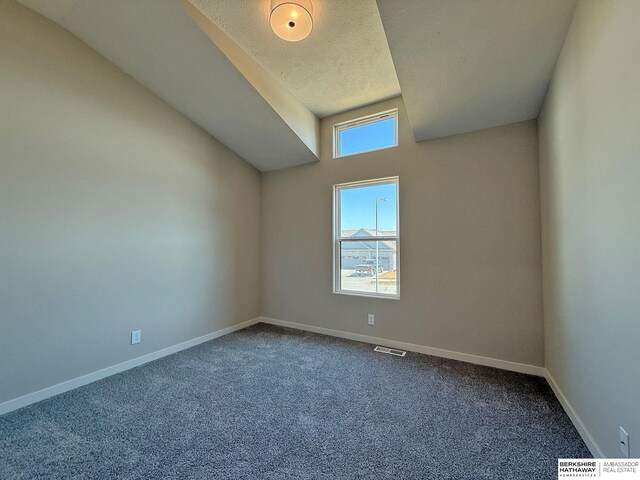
x: 275, y: 403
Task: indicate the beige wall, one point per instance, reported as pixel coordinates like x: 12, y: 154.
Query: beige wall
x: 590, y: 180
x: 116, y: 213
x: 470, y: 241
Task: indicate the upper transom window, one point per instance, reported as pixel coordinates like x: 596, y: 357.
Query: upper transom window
x: 366, y: 134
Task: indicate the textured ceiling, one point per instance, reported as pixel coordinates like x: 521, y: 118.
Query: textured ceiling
x: 466, y: 65
x: 159, y: 44
x: 345, y: 62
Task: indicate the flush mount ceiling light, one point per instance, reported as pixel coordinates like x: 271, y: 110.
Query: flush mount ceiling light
x: 291, y: 20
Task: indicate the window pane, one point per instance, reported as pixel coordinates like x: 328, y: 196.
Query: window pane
x: 371, y: 136
x: 358, y: 207
x: 369, y: 266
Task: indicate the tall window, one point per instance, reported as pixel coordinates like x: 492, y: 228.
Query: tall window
x: 366, y: 134
x: 366, y: 238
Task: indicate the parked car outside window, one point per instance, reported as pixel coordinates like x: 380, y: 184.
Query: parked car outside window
x: 368, y: 267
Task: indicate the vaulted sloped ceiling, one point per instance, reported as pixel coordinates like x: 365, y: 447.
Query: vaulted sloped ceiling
x: 159, y: 44
x: 460, y: 65
x: 466, y: 65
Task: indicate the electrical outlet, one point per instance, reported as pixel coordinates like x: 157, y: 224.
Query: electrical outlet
x: 136, y: 336
x: 624, y: 442
x: 371, y: 318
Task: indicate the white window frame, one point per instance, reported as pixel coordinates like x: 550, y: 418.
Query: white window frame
x: 359, y: 122
x: 338, y: 239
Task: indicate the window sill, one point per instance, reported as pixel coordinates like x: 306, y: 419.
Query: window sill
x: 367, y: 295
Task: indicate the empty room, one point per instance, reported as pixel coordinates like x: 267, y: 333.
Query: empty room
x: 320, y: 239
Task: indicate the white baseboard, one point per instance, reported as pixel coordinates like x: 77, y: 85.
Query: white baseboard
x: 575, y: 419
x: 54, y: 390
x: 437, y: 352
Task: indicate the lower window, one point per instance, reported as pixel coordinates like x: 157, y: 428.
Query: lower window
x: 366, y: 238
